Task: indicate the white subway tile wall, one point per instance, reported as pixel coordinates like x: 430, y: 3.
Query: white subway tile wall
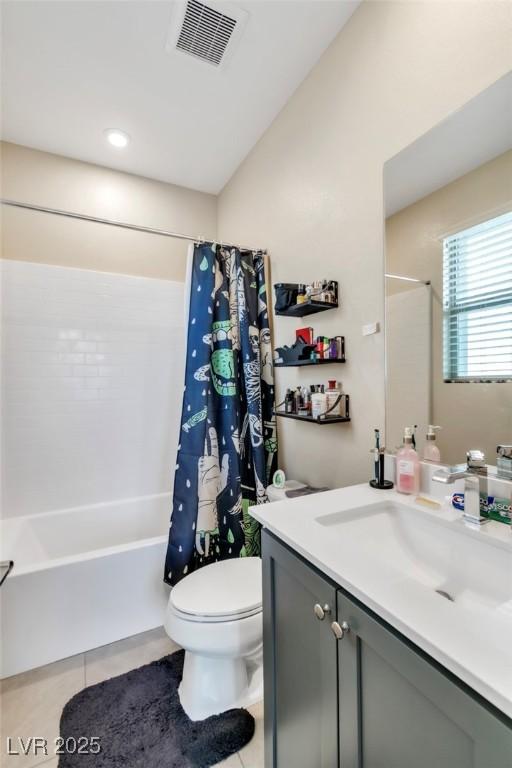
x: 92, y: 383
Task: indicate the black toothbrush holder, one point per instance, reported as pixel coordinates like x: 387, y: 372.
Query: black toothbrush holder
x: 379, y: 480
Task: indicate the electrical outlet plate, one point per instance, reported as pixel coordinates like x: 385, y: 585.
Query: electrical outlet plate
x: 370, y: 328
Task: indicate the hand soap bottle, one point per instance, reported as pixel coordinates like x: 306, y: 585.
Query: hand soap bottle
x: 407, y: 466
x: 431, y: 452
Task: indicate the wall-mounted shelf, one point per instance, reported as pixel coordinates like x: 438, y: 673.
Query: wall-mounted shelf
x: 307, y: 308
x: 300, y: 363
x: 327, y: 420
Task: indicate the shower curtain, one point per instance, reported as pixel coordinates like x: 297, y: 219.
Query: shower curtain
x: 228, y: 442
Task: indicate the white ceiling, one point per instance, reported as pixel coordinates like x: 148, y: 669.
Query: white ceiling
x: 479, y: 131
x: 72, y: 69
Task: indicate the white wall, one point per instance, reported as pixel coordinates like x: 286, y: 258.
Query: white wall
x: 53, y: 181
x: 311, y: 191
x: 92, y: 384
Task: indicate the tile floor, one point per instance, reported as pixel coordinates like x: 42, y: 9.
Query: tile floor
x: 31, y: 703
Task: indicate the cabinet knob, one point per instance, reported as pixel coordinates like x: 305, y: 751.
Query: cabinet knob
x: 321, y: 611
x: 340, y: 630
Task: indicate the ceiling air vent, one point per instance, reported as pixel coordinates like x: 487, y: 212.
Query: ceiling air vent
x: 206, y: 32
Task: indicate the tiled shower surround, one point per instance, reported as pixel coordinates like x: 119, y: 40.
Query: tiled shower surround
x: 92, y: 385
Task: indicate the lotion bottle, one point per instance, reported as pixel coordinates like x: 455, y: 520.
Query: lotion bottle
x: 407, y: 466
x: 431, y: 452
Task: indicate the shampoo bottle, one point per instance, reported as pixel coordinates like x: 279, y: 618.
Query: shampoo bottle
x: 431, y: 452
x: 407, y: 466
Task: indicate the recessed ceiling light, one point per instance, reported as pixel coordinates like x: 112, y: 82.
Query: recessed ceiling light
x: 117, y: 138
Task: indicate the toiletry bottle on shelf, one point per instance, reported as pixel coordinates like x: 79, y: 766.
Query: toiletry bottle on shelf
x: 333, y: 393
x: 318, y: 404
x: 301, y: 294
x: 431, y: 452
x: 305, y: 403
x: 288, y: 401
x: 306, y: 394
x: 407, y: 466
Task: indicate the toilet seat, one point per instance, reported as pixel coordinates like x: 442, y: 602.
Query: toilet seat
x: 200, y: 619
x: 229, y: 590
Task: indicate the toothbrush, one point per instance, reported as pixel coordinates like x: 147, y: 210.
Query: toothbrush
x: 377, y: 449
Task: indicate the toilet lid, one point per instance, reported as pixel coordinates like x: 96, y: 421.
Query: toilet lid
x: 228, y: 588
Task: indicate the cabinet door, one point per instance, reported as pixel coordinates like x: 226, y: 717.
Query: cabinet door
x: 399, y: 710
x: 300, y: 663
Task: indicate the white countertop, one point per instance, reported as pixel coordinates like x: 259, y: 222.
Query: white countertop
x: 471, y: 639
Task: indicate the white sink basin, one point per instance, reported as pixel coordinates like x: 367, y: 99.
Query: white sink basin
x: 460, y: 565
x: 445, y: 586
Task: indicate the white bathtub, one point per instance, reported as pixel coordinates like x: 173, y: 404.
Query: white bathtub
x: 82, y: 577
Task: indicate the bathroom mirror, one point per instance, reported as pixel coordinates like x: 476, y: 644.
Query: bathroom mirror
x: 448, y: 208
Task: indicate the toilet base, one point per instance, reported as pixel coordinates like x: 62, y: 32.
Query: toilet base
x: 211, y: 685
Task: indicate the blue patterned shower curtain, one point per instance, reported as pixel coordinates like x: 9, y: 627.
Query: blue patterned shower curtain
x: 228, y: 442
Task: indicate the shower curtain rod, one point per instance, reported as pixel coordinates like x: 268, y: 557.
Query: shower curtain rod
x: 121, y: 224
x: 407, y: 279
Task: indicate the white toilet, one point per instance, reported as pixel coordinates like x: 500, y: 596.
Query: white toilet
x: 215, y: 615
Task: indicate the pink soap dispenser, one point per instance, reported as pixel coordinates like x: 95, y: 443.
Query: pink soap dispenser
x: 407, y: 466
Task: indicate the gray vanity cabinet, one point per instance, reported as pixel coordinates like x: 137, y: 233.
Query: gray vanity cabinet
x: 300, y: 663
x: 367, y: 699
x: 399, y: 710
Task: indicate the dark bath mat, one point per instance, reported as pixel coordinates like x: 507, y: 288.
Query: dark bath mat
x: 141, y: 724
